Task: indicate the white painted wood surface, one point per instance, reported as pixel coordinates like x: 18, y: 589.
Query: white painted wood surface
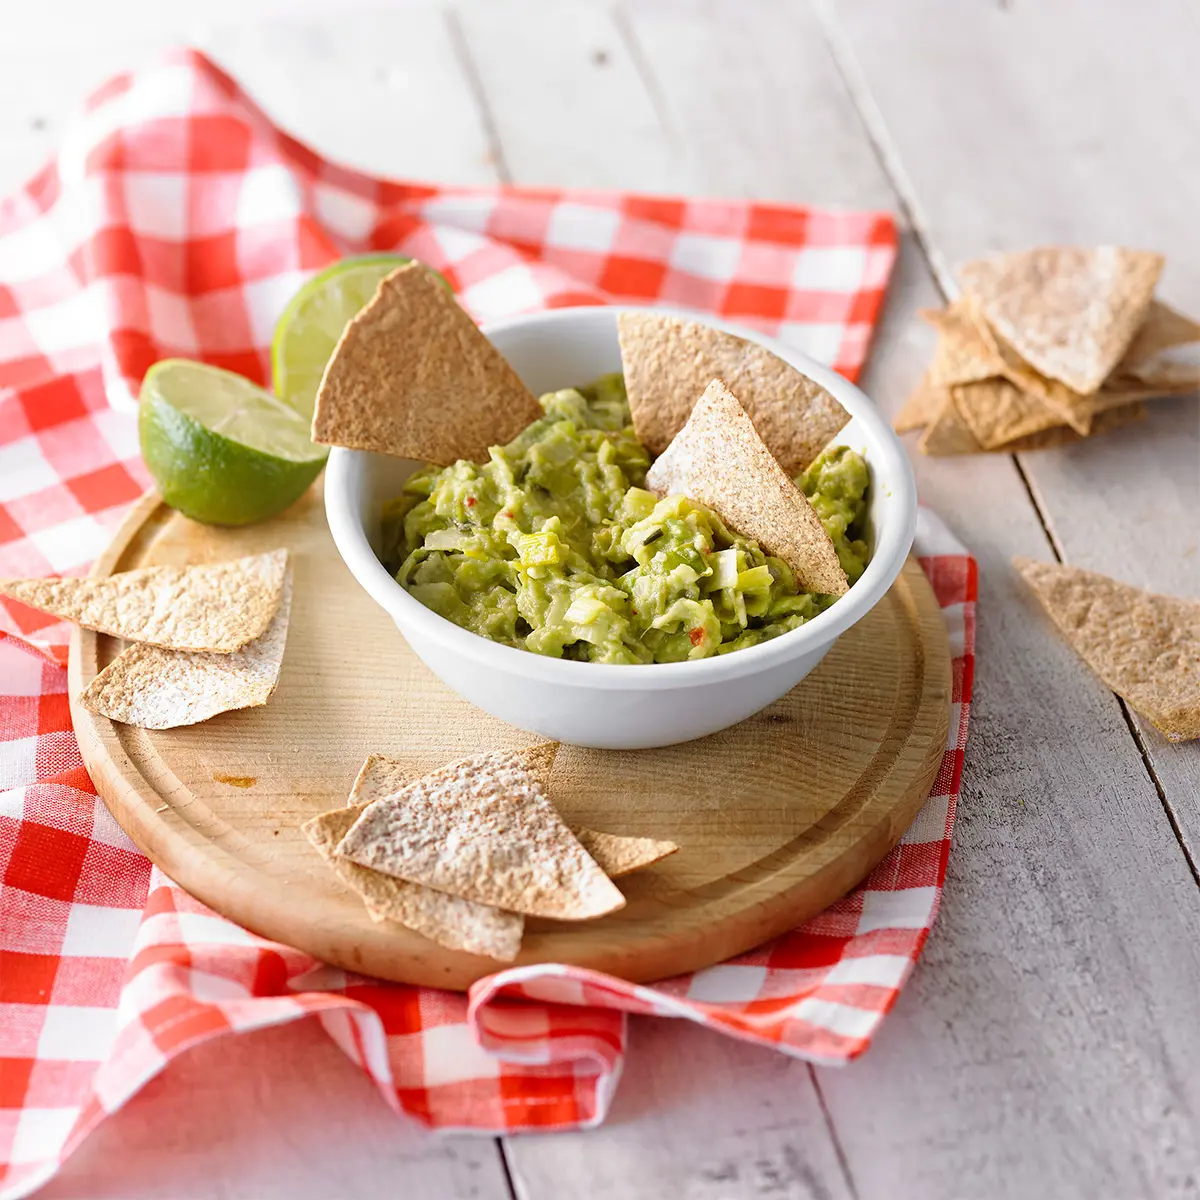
x: 1047, y: 1045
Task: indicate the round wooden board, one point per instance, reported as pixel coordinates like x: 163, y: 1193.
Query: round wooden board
x: 775, y: 819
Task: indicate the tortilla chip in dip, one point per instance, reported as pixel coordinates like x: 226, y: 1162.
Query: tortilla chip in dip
x: 162, y: 689
x: 483, y: 829
x: 412, y: 376
x: 447, y: 920
x: 1146, y: 647
x: 216, y: 607
x: 718, y: 459
x: 669, y: 362
x: 1069, y: 312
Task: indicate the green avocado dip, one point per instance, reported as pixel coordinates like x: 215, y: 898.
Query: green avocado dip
x: 554, y: 546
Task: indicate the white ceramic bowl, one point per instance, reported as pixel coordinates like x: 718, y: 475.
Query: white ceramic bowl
x: 602, y: 705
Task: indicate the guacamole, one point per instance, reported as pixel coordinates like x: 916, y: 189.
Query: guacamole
x: 554, y: 546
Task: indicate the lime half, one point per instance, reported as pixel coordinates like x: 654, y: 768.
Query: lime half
x: 313, y: 321
x: 222, y: 450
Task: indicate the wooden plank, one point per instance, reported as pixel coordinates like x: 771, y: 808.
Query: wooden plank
x: 747, y: 125
x: 696, y: 1116
x: 544, y: 69
x: 279, y: 1114
x: 378, y: 88
x: 1059, y: 121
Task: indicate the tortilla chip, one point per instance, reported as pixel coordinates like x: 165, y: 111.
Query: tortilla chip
x: 1071, y: 313
x: 1064, y: 435
x: 718, y: 459
x: 997, y: 413
x: 962, y: 355
x: 948, y: 433
x: 1163, y: 329
x: 217, y: 607
x: 162, y: 689
x: 1072, y: 408
x: 413, y: 377
x: 668, y: 363
x: 383, y: 776
x: 619, y: 856
x: 447, y: 920
x: 921, y: 407
x: 1146, y: 647
x: 483, y: 829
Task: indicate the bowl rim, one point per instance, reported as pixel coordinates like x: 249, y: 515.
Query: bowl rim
x: 889, y: 466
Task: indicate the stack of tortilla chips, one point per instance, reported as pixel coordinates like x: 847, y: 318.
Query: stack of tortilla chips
x: 1048, y: 346
x: 207, y: 639
x: 461, y: 855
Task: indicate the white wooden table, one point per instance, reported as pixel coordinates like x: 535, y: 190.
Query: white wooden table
x: 1049, y: 1043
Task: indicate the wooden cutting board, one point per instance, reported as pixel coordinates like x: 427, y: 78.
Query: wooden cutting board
x: 775, y: 819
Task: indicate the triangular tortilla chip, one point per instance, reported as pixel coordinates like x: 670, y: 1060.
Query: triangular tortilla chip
x: 447, y: 920
x: 619, y: 856
x: 382, y: 776
x: 1064, y: 435
x: 1146, y: 647
x: 483, y: 829
x: 412, y: 376
x: 718, y: 459
x: 949, y: 434
x: 922, y: 406
x: 217, y: 607
x: 1071, y: 408
x: 1164, y: 329
x: 1069, y: 312
x: 162, y: 689
x: 668, y: 363
x: 997, y: 413
x: 962, y: 355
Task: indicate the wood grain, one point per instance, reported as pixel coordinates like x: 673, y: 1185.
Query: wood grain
x: 1059, y: 121
x: 1041, y: 1048
x: 729, y: 1121
x: 775, y: 818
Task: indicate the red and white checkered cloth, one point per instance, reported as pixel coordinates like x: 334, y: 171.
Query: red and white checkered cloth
x: 177, y: 220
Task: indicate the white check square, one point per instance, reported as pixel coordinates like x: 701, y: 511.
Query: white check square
x: 348, y: 215
x: 268, y: 193
x: 156, y: 202
x: 829, y: 268
x: 727, y: 984
x: 97, y: 931
x: 708, y: 257
x: 24, y: 469
x: 905, y: 909
x: 580, y: 227
x: 75, y: 1033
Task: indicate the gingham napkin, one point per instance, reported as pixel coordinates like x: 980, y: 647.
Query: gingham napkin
x: 177, y: 220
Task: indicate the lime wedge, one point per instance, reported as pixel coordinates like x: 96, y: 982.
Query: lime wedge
x: 310, y: 326
x: 222, y: 450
